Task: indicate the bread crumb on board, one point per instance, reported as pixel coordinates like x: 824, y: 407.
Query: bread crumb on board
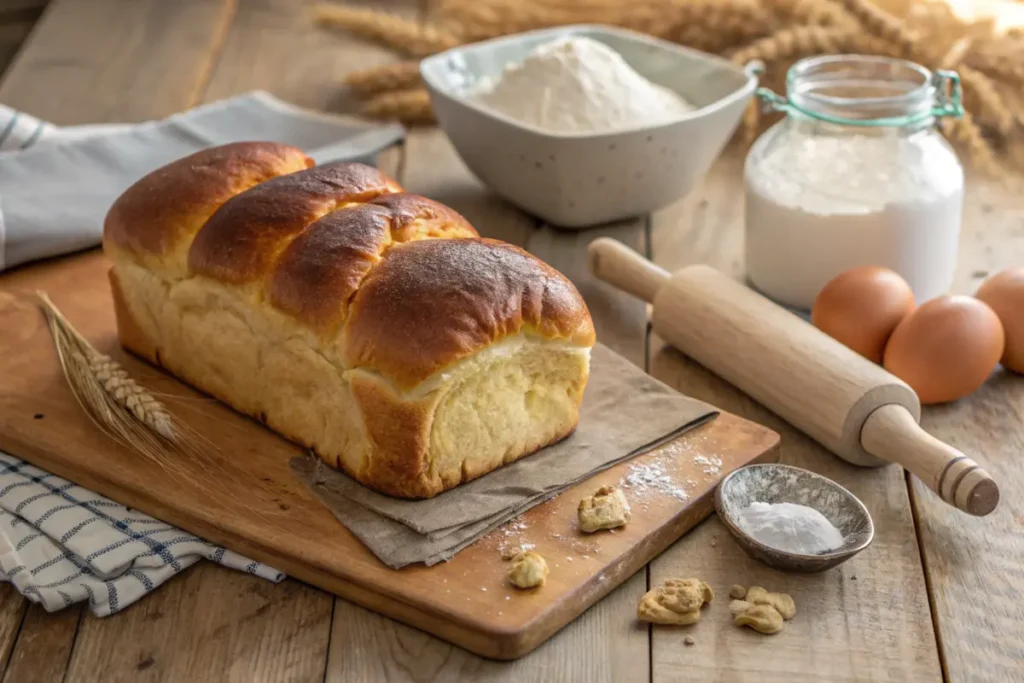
x: 529, y: 570
x: 689, y: 640
x: 606, y: 509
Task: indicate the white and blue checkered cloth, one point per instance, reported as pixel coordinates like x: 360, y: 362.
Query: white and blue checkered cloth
x: 61, y: 544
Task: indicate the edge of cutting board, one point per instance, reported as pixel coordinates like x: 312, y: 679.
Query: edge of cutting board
x: 317, y: 549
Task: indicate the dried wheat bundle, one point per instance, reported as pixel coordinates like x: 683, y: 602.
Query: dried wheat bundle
x: 790, y: 43
x: 1008, y: 68
x: 119, y: 405
x: 409, y: 37
x: 966, y: 133
x: 981, y: 96
x: 814, y: 13
x: 407, y: 106
x: 882, y: 24
x: 717, y: 25
x: 778, y: 32
x: 387, y: 78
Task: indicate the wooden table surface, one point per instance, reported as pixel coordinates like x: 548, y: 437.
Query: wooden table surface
x: 938, y: 596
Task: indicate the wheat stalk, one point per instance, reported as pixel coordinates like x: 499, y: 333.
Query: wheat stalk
x: 984, y: 100
x: 118, y: 404
x: 407, y: 106
x: 387, y: 78
x: 789, y: 43
x: 882, y: 24
x: 409, y: 37
x: 131, y: 415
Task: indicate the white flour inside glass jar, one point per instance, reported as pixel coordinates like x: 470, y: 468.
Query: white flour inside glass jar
x: 823, y: 197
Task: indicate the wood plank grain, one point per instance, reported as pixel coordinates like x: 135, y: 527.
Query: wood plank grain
x: 976, y: 565
x: 9, y: 7
x: 274, y: 45
x: 12, y: 35
x: 116, y: 60
x: 604, y: 645
x: 12, y: 614
x: 866, y: 620
x: 209, y: 624
x: 44, y: 645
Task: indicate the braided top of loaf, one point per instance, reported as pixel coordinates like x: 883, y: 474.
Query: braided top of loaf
x: 399, y: 283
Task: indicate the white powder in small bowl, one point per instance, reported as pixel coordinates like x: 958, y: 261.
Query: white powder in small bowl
x: 580, y: 85
x: 790, y: 528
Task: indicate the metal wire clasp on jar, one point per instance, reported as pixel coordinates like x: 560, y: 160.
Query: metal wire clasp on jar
x: 856, y: 174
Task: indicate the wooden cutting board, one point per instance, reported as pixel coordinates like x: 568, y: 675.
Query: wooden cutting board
x: 261, y: 511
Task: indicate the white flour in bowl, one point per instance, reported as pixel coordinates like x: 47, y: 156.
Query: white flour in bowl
x: 580, y: 85
x: 790, y: 527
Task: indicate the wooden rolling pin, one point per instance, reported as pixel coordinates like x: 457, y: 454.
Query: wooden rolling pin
x: 847, y: 403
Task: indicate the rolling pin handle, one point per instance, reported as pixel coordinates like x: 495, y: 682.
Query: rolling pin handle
x: 618, y: 265
x: 892, y: 433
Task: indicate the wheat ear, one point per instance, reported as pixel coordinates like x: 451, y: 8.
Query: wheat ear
x: 882, y: 24
x: 965, y: 133
x: 407, y: 106
x: 128, y: 413
x: 982, y: 96
x: 387, y: 78
x: 117, y: 403
x: 790, y: 43
x: 415, y: 40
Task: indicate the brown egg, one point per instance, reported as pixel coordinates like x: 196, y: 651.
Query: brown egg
x: 1004, y: 293
x: 861, y: 307
x: 946, y: 349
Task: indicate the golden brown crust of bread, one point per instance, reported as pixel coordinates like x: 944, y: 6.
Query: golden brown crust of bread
x: 228, y: 248
x: 319, y: 272
x: 242, y: 240
x: 166, y: 208
x: 432, y: 303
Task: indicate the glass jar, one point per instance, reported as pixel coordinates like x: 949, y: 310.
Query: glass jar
x: 856, y: 174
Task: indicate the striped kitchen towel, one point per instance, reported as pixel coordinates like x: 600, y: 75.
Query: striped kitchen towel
x: 57, y: 182
x: 61, y: 544
x: 19, y: 131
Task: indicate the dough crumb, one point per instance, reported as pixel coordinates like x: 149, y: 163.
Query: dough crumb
x: 677, y: 602
x: 761, y: 618
x: 739, y: 606
x: 688, y: 640
x: 755, y: 593
x: 606, y: 509
x: 529, y: 570
x: 738, y: 592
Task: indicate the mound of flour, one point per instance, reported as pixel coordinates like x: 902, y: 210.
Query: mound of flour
x: 579, y: 85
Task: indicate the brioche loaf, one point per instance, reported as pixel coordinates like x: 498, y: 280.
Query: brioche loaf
x: 372, y: 326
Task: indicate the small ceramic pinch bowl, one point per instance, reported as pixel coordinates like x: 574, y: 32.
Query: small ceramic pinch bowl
x: 775, y: 483
x: 581, y: 179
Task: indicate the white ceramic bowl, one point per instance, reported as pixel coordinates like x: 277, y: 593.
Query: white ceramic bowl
x: 579, y: 180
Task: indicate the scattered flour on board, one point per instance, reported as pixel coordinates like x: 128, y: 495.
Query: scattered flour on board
x: 642, y: 478
x: 511, y: 542
x: 710, y: 465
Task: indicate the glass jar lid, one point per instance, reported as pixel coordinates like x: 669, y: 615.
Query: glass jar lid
x: 867, y: 91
